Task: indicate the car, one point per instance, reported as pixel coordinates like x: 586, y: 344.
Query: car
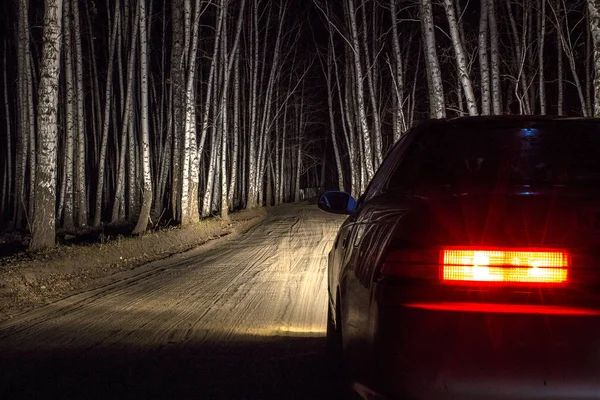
x: 470, y: 266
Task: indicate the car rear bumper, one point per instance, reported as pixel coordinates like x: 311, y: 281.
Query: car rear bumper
x: 422, y: 353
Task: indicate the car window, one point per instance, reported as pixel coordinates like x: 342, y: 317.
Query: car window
x: 388, y: 166
x: 564, y: 153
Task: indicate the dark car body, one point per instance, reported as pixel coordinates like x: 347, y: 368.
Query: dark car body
x: 480, y: 183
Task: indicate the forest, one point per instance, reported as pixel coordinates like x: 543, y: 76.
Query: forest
x: 169, y: 111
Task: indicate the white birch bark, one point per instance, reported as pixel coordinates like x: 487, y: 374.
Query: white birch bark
x: 495, y: 59
x: 252, y: 190
x: 461, y: 59
x: 178, y: 105
x: 81, y: 195
x: 371, y: 84
x: 399, y: 115
x: 483, y: 58
x: 212, y: 162
x: 223, y: 159
x: 589, y: 59
x: 236, y: 130
x: 191, y: 165
x: 299, y: 135
x: 189, y: 100
x: 434, y: 75
x: 541, y: 25
x: 43, y: 233
x: 71, y: 128
x: 22, y: 139
x: 31, y: 132
x: 559, y: 57
x: 358, y: 82
x: 144, y: 216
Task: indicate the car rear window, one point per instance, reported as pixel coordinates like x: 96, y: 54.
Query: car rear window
x: 549, y: 153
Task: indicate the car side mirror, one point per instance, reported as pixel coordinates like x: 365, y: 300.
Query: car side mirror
x: 337, y: 202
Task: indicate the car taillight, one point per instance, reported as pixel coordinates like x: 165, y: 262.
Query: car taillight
x: 479, y: 265
x: 501, y: 265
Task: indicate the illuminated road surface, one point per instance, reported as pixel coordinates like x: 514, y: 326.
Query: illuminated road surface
x: 244, y: 318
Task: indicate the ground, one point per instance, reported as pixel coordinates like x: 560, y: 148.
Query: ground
x: 243, y: 317
x: 31, y: 280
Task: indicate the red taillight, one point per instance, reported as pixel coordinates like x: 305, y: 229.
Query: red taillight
x: 499, y: 265
x: 479, y: 265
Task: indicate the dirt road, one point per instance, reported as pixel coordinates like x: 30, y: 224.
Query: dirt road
x: 240, y: 319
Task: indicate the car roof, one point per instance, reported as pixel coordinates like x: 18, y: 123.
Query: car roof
x: 505, y: 120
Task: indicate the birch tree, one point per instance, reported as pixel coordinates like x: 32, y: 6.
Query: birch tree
x: 70, y: 123
x: 189, y: 194
x: 434, y: 75
x: 81, y: 138
x: 360, y: 102
x: 43, y: 232
x: 495, y: 58
x: 400, y: 125
x: 541, y: 30
x: 142, y: 223
x: 461, y: 60
x: 594, y: 26
x: 483, y: 57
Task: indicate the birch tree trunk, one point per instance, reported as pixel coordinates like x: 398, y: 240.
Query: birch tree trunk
x: 399, y: 115
x: 252, y: 190
x: 434, y: 75
x: 589, y: 59
x: 31, y: 132
x: 236, y: 129
x: 559, y: 56
x: 177, y: 109
x: 68, y: 213
x: 483, y: 58
x: 541, y: 37
x: 223, y: 159
x: 461, y: 59
x: 191, y: 161
x: 298, y: 158
x: 22, y: 138
x: 144, y: 216
x: 208, y: 102
x: 594, y: 21
x: 371, y: 84
x: 81, y: 195
x: 358, y: 81
x: 43, y: 234
x: 495, y: 59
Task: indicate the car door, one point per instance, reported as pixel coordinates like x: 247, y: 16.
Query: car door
x: 363, y: 236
